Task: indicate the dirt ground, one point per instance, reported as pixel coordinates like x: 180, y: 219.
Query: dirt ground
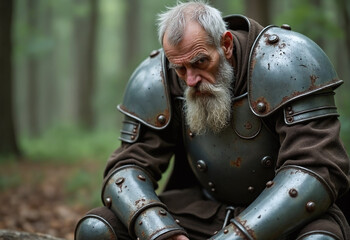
x: 33, y: 199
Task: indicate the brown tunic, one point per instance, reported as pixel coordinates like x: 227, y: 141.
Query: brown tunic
x: 314, y: 145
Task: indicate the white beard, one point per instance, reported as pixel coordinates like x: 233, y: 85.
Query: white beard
x: 212, y: 110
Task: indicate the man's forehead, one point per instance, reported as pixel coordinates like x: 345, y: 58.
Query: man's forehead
x: 186, y: 58
x: 185, y: 52
x: 193, y: 42
x: 194, y: 59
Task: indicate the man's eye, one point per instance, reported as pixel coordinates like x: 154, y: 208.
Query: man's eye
x: 201, y: 62
x: 180, y: 70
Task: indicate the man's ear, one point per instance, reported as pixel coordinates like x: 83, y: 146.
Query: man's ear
x: 227, y: 44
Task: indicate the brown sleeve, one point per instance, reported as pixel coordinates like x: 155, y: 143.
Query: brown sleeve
x: 152, y: 151
x: 316, y: 145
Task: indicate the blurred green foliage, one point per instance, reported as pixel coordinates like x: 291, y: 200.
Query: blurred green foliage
x: 84, y: 187
x: 7, y: 182
x: 70, y: 144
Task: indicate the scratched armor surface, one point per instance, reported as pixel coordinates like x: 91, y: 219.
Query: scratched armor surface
x: 234, y: 165
x: 291, y: 61
x: 146, y: 96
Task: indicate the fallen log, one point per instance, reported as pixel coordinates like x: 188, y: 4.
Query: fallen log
x: 16, y: 235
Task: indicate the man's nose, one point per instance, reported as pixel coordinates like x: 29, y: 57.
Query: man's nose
x: 192, y: 78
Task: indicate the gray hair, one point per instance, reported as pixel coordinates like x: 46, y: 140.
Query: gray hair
x: 174, y: 20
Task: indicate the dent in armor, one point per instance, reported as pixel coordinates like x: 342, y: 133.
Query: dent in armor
x: 147, y: 97
x: 290, y: 62
x: 237, y: 160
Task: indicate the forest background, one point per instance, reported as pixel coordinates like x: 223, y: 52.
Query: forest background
x: 64, y: 66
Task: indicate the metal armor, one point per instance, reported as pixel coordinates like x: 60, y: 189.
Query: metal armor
x: 318, y: 235
x: 293, y: 205
x: 287, y: 72
x: 129, y: 193
x: 234, y: 165
x: 146, y: 96
x: 286, y: 66
x: 93, y: 227
x: 241, y: 159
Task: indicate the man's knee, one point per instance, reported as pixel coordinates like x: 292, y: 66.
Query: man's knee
x: 100, y: 223
x: 92, y: 227
x: 318, y: 235
x: 323, y: 228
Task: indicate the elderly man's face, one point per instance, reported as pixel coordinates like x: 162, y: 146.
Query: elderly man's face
x: 193, y: 59
x: 208, y: 76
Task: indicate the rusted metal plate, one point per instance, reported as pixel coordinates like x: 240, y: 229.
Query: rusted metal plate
x: 285, y: 65
x: 146, y: 96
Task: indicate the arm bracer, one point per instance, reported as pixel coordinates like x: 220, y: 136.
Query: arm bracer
x: 130, y: 194
x: 295, y: 197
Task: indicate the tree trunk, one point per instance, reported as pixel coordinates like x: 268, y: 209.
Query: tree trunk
x: 33, y: 73
x: 8, y: 143
x: 49, y: 65
x: 85, y: 39
x: 220, y: 5
x: 259, y: 10
x: 16, y: 235
x: 344, y: 9
x: 320, y: 39
x: 132, y: 33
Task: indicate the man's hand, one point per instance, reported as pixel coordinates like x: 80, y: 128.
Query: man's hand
x: 178, y: 237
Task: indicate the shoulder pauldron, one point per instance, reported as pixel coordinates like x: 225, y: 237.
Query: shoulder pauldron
x: 285, y: 66
x: 146, y: 98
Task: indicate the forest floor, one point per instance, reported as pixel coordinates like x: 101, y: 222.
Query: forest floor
x: 38, y: 197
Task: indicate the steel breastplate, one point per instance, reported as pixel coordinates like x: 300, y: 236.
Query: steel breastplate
x: 234, y: 165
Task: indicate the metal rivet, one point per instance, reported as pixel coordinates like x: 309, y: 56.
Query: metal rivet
x: 225, y: 231
x: 108, y: 202
x: 201, y: 165
x: 289, y: 108
x: 248, y: 125
x: 293, y: 192
x: 261, y: 107
x: 191, y: 134
x: 273, y: 39
x: 141, y: 177
x: 212, y: 185
x: 215, y: 232
x: 286, y: 26
x: 267, y: 161
x: 177, y: 221
x: 161, y: 119
x: 269, y: 184
x: 290, y: 112
x: 162, y: 212
x: 132, y: 137
x: 119, y: 180
x: 251, y: 189
x: 140, y: 223
x: 290, y: 119
x: 154, y: 53
x: 310, y: 206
